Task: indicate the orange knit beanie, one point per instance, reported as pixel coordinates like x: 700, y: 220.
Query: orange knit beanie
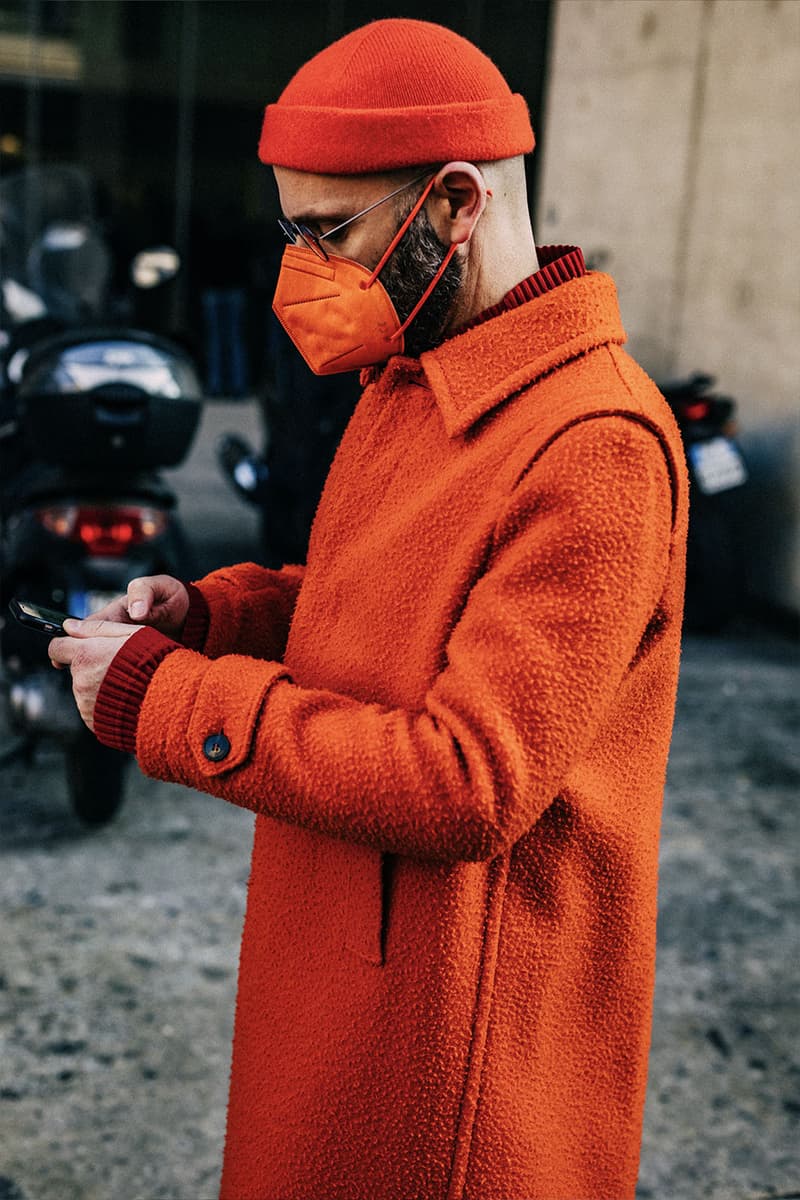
x: 394, y: 93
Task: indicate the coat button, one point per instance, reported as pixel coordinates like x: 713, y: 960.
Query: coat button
x: 216, y: 747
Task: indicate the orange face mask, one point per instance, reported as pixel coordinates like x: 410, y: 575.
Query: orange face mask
x: 336, y: 321
x: 338, y: 313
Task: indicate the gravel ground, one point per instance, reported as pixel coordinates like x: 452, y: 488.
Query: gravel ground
x: 118, y: 948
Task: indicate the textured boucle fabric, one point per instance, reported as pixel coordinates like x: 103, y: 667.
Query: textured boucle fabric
x: 457, y: 759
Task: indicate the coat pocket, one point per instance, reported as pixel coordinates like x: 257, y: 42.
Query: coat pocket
x: 367, y: 903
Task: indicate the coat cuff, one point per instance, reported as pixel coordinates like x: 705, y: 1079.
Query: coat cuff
x: 198, y: 618
x: 120, y: 696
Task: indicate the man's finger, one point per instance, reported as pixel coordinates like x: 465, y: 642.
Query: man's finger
x: 141, y: 598
x: 61, y: 651
x: 96, y: 627
x: 115, y: 610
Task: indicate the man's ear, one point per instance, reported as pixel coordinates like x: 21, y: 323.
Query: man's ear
x: 462, y: 192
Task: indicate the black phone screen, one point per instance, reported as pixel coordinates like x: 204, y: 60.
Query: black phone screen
x: 35, y: 616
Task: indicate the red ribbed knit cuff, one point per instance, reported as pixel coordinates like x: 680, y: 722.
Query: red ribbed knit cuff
x: 121, y: 693
x: 198, y: 618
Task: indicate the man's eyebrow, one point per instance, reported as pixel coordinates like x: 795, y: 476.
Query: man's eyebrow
x: 316, y: 218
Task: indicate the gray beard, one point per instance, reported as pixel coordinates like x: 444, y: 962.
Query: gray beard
x: 405, y: 277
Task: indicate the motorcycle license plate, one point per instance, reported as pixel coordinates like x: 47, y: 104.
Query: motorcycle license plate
x: 83, y: 604
x: 718, y: 465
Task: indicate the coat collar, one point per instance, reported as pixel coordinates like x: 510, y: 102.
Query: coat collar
x: 473, y: 372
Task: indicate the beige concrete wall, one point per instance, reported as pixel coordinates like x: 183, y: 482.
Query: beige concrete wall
x: 671, y: 156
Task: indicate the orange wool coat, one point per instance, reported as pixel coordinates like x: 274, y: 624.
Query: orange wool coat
x: 453, y: 725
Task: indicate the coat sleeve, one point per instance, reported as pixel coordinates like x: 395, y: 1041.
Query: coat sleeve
x: 250, y: 609
x: 547, y: 634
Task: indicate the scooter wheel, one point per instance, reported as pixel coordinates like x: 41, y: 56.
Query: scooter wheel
x: 95, y: 778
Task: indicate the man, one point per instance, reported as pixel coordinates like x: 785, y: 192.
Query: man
x: 453, y: 722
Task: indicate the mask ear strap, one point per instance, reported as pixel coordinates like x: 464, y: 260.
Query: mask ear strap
x: 440, y: 272
x: 390, y: 251
x: 397, y: 237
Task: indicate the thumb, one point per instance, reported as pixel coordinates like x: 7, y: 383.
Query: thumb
x: 140, y: 599
x: 92, y: 627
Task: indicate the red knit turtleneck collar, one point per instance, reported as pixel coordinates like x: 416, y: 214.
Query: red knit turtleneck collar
x: 557, y: 264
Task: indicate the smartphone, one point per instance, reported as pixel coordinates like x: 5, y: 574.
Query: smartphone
x: 33, y: 616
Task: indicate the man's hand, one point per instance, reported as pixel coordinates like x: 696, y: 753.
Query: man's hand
x: 156, y: 600
x: 88, y: 652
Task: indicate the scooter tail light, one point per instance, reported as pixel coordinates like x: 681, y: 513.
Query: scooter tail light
x: 105, y: 531
x: 698, y: 410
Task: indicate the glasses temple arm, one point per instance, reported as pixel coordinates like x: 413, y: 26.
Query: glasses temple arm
x: 370, y: 207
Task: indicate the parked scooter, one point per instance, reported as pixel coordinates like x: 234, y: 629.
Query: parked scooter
x: 717, y: 474
x: 88, y: 415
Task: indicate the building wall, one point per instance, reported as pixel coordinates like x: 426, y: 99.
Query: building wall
x: 671, y: 156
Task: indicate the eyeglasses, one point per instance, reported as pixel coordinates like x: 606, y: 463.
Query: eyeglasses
x: 295, y: 233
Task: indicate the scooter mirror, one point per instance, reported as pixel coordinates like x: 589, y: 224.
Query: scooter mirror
x: 151, y: 268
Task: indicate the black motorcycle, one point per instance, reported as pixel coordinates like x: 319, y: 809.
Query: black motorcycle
x: 715, y: 568
x: 89, y: 413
